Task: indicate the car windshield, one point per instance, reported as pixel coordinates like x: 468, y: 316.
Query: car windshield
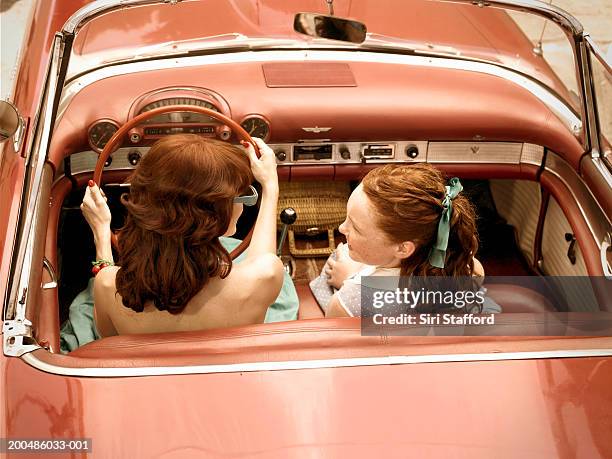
x: 520, y: 41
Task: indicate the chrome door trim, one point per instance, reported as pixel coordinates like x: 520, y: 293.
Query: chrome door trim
x: 21, y: 265
x: 17, y: 329
x: 116, y: 372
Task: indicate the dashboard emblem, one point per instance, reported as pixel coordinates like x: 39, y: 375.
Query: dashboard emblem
x: 316, y: 129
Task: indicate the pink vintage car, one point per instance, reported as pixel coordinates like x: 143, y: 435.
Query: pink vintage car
x: 349, y: 86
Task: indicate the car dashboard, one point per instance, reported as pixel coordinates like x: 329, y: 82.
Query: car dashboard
x: 314, y: 112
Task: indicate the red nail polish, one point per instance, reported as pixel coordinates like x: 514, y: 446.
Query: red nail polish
x: 91, y: 183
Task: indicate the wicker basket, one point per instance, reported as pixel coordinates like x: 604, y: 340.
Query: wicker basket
x: 320, y: 207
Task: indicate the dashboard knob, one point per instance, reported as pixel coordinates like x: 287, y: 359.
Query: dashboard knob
x: 108, y: 161
x: 412, y: 151
x: 280, y: 155
x: 224, y: 132
x: 134, y: 157
x: 345, y: 153
x: 135, y: 135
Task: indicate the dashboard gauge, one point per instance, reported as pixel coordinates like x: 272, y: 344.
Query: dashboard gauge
x: 179, y: 101
x: 179, y: 117
x: 256, y: 126
x: 100, y: 133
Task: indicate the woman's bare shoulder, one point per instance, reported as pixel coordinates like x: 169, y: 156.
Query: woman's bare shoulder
x: 105, y: 288
x: 478, y: 268
x: 265, y: 270
x: 105, y: 299
x: 264, y: 266
x: 106, y: 277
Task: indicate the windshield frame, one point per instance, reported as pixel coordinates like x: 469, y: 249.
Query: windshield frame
x: 570, y: 25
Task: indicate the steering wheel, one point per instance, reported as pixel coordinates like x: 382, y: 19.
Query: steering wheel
x: 114, y: 141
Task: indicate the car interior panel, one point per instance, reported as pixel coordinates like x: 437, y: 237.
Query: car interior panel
x: 385, y: 104
x: 513, y: 298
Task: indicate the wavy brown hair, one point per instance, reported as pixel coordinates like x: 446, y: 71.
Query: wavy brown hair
x: 407, y: 200
x: 180, y: 202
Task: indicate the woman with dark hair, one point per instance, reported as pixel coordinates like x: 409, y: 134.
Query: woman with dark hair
x: 402, y: 221
x: 174, y: 273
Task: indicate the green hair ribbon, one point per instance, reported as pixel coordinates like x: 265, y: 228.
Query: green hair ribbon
x: 437, y: 255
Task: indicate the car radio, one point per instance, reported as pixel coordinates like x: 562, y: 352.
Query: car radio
x: 312, y: 152
x: 378, y: 150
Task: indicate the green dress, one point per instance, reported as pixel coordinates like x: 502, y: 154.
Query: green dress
x: 80, y: 328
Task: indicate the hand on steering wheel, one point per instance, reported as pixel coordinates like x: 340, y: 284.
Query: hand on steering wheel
x: 115, y: 140
x: 264, y: 167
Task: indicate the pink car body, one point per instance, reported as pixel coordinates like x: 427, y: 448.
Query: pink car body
x: 313, y: 387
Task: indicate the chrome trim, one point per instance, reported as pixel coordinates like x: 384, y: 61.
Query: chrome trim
x: 309, y: 364
x: 171, y: 92
x: 593, y: 214
x: 18, y: 295
x: 532, y: 154
x: 554, y: 103
x: 474, y: 152
x: 17, y: 338
x: 261, y: 117
x: 588, y: 90
x: 590, y: 85
x: 103, y: 6
x: 598, y: 53
x: 85, y: 161
x: 581, y: 134
x: 19, y: 134
x: 603, y: 170
x: 316, y: 129
x: 49, y: 268
x: 606, y: 246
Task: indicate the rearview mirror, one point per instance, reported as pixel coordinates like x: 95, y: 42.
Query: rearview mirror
x: 330, y: 27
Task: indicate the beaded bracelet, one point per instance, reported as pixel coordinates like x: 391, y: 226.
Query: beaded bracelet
x: 100, y: 264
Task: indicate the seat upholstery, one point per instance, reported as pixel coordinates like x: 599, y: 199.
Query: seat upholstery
x: 309, y: 308
x: 338, y: 338
x: 327, y: 339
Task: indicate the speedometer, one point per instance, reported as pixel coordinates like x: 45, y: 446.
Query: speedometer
x: 179, y: 101
x: 180, y: 117
x: 183, y: 118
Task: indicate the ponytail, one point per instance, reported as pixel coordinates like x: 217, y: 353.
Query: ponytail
x: 409, y: 202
